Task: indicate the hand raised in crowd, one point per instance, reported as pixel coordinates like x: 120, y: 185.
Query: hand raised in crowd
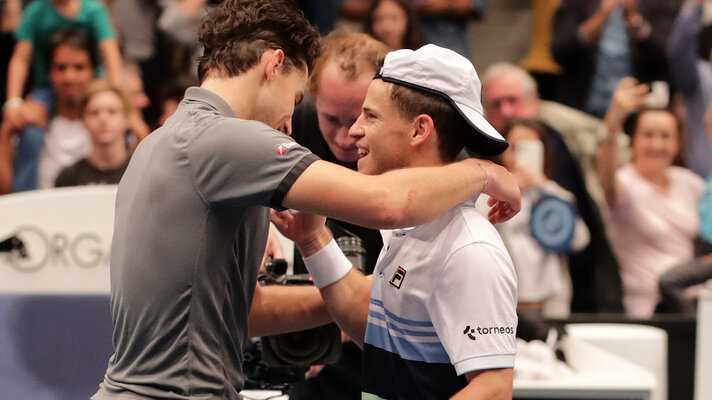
x: 591, y: 28
x: 29, y: 112
x: 13, y: 117
x: 629, y: 96
x: 36, y: 113
x: 630, y: 9
x: 607, y: 6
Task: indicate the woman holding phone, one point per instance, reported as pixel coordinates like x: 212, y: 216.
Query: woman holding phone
x: 543, y: 280
x: 652, y: 201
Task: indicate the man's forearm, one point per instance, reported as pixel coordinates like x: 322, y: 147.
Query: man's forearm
x: 347, y: 299
x: 492, y: 384
x: 282, y: 309
x: 396, y: 199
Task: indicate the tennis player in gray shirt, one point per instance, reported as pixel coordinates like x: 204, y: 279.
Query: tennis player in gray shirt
x: 192, y: 211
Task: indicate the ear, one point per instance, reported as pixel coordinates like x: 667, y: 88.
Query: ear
x: 273, y: 60
x: 423, y: 130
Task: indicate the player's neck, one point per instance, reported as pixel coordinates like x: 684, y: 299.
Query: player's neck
x: 425, y: 158
x: 238, y: 92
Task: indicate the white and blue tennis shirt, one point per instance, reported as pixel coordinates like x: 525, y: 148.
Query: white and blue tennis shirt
x: 443, y: 303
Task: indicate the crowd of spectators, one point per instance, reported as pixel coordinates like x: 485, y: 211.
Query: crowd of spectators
x: 87, y: 80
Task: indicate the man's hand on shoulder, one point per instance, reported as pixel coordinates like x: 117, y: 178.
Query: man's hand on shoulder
x: 503, y: 190
x: 308, y: 231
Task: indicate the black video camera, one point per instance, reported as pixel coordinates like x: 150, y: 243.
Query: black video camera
x: 316, y: 346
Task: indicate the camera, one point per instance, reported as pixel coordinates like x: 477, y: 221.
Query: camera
x: 282, y: 359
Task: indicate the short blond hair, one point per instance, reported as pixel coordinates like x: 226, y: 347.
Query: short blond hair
x: 99, y: 86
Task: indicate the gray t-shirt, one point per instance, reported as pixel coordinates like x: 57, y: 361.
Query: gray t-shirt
x: 190, y: 229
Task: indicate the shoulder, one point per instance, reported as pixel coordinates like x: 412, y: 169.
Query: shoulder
x: 687, y: 178
x: 93, y: 6
x: 36, y: 6
x: 465, y: 229
x: 234, y: 134
x: 475, y: 226
x: 68, y: 176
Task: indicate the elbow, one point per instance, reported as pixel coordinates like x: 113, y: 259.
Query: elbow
x: 393, y: 213
x: 390, y: 217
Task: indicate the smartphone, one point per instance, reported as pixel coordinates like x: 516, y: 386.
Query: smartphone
x: 529, y: 155
x: 659, y: 96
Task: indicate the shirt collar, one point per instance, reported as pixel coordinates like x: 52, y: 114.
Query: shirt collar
x: 215, y: 101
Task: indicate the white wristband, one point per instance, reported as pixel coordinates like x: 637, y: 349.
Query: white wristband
x: 327, y: 265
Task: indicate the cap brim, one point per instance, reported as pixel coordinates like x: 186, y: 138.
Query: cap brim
x: 486, y: 141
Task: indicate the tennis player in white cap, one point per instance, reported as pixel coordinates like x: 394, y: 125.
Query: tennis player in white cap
x: 438, y: 318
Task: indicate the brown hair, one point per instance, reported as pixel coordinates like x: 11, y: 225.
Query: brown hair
x: 76, y: 38
x: 353, y: 52
x: 540, y: 130
x: 630, y: 125
x: 411, y: 36
x: 236, y: 33
x: 98, y: 86
x: 449, y: 124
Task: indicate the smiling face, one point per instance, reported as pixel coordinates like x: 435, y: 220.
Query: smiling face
x: 275, y: 105
x: 655, y: 141
x: 105, y: 118
x: 338, y: 106
x: 382, y: 136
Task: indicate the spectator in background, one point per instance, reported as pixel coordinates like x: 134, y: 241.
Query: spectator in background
x: 445, y: 22
x: 509, y: 92
x: 171, y: 94
x: 652, y: 204
x: 394, y: 23
x: 321, y: 13
x: 543, y: 279
x: 106, y: 117
x: 72, y: 65
x: 337, y: 89
x: 689, y: 53
x: 442, y: 22
x: 39, y: 20
x: 10, y: 14
x: 180, y: 20
x: 599, y: 42
x: 132, y: 85
x: 136, y: 26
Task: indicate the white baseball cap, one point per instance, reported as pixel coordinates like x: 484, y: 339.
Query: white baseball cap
x: 444, y: 73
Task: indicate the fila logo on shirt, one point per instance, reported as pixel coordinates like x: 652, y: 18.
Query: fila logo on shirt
x: 398, y: 277
x: 282, y: 148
